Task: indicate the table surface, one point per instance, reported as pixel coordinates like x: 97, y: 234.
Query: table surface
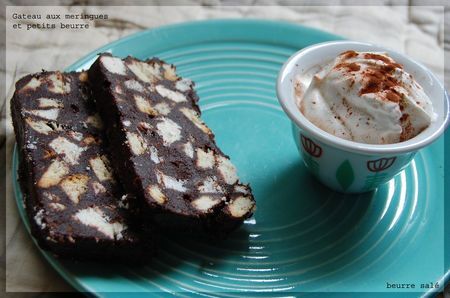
x: 416, y: 31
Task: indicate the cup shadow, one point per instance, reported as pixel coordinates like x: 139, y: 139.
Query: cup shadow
x: 320, y: 229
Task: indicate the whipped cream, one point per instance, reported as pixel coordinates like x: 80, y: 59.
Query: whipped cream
x: 364, y: 97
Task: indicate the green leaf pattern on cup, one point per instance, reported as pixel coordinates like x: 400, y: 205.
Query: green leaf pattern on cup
x: 345, y: 175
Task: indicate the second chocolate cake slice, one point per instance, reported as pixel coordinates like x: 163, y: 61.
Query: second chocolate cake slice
x: 164, y: 153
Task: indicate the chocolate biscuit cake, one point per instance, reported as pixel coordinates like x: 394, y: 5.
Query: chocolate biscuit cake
x: 163, y: 152
x: 74, y: 204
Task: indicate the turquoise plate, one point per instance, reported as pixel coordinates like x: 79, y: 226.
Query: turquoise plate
x: 303, y: 237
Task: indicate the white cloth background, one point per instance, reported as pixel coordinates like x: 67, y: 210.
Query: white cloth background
x: 417, y: 31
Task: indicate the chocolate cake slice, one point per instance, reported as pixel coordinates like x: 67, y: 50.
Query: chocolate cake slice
x: 164, y: 153
x: 75, y: 206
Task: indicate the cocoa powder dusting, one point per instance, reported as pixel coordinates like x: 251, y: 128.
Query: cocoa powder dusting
x: 349, y: 54
x: 393, y: 95
x: 401, y: 105
x: 352, y: 82
x: 388, y: 68
x: 381, y: 58
x: 353, y: 67
x: 405, y: 121
x: 379, y: 78
x: 407, y: 128
x: 404, y: 117
x: 350, y: 66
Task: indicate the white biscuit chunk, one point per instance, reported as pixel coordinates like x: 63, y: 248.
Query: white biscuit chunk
x: 227, y: 169
x: 144, y: 105
x: 59, y: 84
x: 69, y: 151
x: 57, y: 206
x: 154, y: 155
x: 45, y: 102
x: 162, y: 108
x: 51, y: 197
x: 39, y: 126
x: 50, y: 114
x: 170, y: 94
x: 95, y: 218
x: 137, y: 144
x: 75, y: 186
x: 144, y: 71
x: 205, y: 159
x: 210, y: 185
x: 169, y: 72
x: 205, y: 203
x: 170, y: 182
x: 54, y: 173
x: 134, y: 85
x: 242, y: 189
x: 101, y: 167
x: 98, y: 188
x: 183, y: 85
x: 156, y: 194
x: 240, y: 206
x: 193, y: 116
x: 32, y: 84
x: 114, y: 65
x: 78, y: 136
x: 169, y: 130
x: 188, y: 149
x: 39, y: 219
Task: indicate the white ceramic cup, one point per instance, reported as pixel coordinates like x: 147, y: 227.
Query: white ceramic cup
x: 348, y: 166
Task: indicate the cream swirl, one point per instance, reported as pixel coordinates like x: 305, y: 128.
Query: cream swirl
x: 364, y: 97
